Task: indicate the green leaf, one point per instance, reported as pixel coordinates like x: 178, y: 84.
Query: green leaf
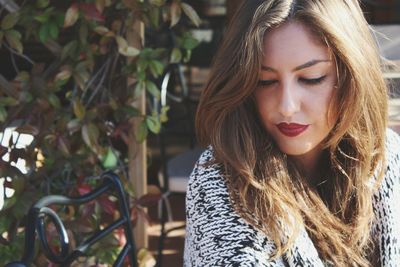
x: 5, y: 223
x: 90, y: 134
x: 9, y: 21
x: 73, y: 125
x: 14, y: 40
x: 100, y: 4
x: 70, y: 49
x: 157, y: 3
x: 63, y: 76
x: 156, y: 68
x: 131, y: 111
x: 18, y: 184
x: 81, y: 74
x: 153, y: 123
x: 142, y: 132
x: 122, y: 43
x: 23, y: 76
x: 79, y: 109
x: 102, y: 30
x: 189, y: 42
x: 53, y: 30
x: 81, y: 78
x: 175, y: 14
x: 43, y: 18
x: 44, y: 33
x: 139, y: 88
x: 26, y: 97
x: 62, y: 145
x: 191, y: 13
x: 54, y: 100
x: 154, y: 15
x: 129, y: 51
x: 142, y: 64
x: 176, y: 55
x: 152, y: 89
x: 110, y: 160
x: 3, y: 114
x: 164, y: 114
x: 188, y: 55
x: 59, y: 20
x: 9, y: 202
x: 22, y: 205
x: 71, y: 16
x: 8, y: 101
x: 124, y: 48
x: 83, y: 33
x: 42, y: 3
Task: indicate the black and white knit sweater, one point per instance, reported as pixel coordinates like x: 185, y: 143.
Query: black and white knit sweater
x: 216, y: 235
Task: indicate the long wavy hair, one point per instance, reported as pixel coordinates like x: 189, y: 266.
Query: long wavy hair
x: 266, y: 187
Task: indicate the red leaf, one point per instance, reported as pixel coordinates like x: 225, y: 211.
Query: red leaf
x: 91, y: 12
x: 82, y: 56
x: 120, y: 234
x: 134, y: 215
x: 84, y: 189
x: 149, y: 200
x: 108, y: 206
x: 87, y: 210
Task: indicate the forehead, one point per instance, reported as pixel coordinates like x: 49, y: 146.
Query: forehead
x: 293, y: 42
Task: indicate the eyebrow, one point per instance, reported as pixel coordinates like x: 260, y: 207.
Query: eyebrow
x: 303, y: 66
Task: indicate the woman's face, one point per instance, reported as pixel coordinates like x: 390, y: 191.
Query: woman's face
x: 296, y: 84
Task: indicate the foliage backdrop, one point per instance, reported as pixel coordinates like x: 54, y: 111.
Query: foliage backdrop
x: 78, y: 104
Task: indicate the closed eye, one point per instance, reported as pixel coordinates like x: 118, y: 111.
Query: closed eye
x: 266, y: 82
x: 313, y: 81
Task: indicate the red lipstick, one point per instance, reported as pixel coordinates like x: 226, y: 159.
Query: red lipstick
x: 291, y: 129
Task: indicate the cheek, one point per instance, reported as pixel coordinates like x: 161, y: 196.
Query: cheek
x: 325, y: 107
x: 263, y: 102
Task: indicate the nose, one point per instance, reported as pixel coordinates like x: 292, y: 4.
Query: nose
x: 289, y: 103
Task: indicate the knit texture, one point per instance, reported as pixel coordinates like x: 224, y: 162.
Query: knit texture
x: 216, y: 235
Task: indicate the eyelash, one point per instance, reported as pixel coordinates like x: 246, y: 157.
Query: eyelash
x: 304, y: 80
x: 313, y: 81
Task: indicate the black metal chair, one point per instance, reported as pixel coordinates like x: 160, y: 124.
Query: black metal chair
x: 39, y: 212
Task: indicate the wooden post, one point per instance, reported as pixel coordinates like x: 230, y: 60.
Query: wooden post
x: 138, y: 151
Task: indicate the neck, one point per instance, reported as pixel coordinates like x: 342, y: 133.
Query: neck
x: 310, y: 164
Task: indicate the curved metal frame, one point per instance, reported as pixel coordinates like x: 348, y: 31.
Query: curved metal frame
x: 40, y: 211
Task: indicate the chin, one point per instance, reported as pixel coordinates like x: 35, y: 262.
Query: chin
x: 295, y: 151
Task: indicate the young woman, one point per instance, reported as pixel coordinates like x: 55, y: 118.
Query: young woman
x: 300, y: 169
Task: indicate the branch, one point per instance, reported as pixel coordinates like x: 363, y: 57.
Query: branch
x: 18, y: 54
x: 53, y: 47
x: 7, y: 88
x: 10, y: 5
x: 104, y: 70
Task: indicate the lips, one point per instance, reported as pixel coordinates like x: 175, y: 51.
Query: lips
x: 291, y: 129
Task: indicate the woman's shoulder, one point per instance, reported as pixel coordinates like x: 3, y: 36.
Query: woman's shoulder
x: 392, y: 154
x: 392, y: 142
x: 386, y: 206
x: 207, y: 171
x: 216, y: 235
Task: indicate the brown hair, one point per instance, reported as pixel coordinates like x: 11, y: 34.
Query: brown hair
x: 270, y: 192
